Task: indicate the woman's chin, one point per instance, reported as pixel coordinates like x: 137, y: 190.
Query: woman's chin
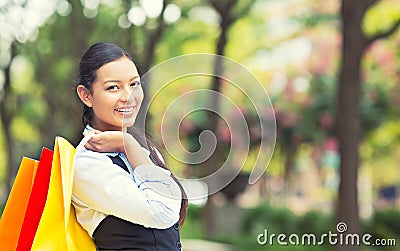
x: 128, y: 122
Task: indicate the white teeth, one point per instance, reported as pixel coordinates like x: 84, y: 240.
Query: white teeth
x: 125, y: 110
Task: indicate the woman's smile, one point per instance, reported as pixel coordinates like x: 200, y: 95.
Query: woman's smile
x: 116, y: 96
x: 126, y: 111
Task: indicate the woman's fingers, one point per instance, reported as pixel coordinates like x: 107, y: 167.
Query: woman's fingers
x: 89, y: 146
x: 99, y: 135
x: 107, y: 141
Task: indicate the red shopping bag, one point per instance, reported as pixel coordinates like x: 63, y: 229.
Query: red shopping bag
x: 46, y: 219
x: 37, y: 201
x: 31, y: 176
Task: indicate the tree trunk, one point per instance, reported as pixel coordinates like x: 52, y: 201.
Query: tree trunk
x: 212, y: 164
x: 290, y: 157
x: 228, y: 17
x: 348, y: 117
x: 6, y: 117
x: 152, y: 40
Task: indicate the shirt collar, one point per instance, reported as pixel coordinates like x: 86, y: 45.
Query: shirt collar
x: 88, y: 128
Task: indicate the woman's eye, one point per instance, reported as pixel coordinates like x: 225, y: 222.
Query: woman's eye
x: 112, y: 87
x: 136, y: 83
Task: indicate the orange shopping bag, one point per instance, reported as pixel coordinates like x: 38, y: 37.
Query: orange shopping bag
x: 14, y: 211
x: 49, y: 221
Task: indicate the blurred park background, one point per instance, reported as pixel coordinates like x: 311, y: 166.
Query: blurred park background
x: 331, y: 69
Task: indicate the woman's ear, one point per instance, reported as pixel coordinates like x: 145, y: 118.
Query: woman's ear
x: 84, y: 95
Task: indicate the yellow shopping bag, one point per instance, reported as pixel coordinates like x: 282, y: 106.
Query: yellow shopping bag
x: 56, y: 227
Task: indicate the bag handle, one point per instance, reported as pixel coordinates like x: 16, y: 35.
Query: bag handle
x: 84, y: 141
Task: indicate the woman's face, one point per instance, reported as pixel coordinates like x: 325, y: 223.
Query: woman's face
x: 116, y: 96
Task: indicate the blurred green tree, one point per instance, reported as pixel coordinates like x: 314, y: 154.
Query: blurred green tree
x: 6, y: 111
x: 229, y: 12
x: 355, y: 42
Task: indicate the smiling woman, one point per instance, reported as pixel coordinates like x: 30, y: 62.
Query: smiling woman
x: 124, y: 195
x: 115, y: 96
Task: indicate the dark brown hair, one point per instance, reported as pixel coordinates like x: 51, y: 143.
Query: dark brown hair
x: 95, y: 57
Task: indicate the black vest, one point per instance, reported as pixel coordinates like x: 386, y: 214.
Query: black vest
x: 114, y: 233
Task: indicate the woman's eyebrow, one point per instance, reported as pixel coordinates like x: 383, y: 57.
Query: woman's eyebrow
x: 120, y: 81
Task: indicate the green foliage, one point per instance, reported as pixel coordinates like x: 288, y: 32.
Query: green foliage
x: 384, y: 224
x: 62, y: 70
x: 3, y: 157
x: 278, y: 220
x: 192, y: 228
x: 381, y: 16
x: 2, y: 205
x: 283, y: 220
x: 376, y: 101
x: 265, y: 216
x: 316, y: 19
x: 245, y: 34
x: 186, y: 37
x: 314, y: 222
x: 23, y: 130
x: 322, y: 95
x: 380, y: 142
x: 256, y: 220
x: 306, y: 117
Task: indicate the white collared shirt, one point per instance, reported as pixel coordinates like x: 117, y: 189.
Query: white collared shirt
x: 146, y: 196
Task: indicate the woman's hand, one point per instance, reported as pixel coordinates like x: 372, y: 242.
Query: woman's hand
x: 107, y: 141
x: 117, y: 141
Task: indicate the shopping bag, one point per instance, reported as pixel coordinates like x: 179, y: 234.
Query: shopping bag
x: 58, y: 228
x: 49, y: 221
x: 37, y: 200
x: 15, y: 208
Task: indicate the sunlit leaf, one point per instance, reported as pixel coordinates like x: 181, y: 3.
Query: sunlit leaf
x: 23, y: 130
x: 380, y: 17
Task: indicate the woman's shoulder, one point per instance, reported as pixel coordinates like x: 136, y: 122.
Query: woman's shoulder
x: 85, y: 155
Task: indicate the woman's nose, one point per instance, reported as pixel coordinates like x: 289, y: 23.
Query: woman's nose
x: 126, y: 94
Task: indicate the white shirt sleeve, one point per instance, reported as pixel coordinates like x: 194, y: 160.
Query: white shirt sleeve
x: 151, y: 198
